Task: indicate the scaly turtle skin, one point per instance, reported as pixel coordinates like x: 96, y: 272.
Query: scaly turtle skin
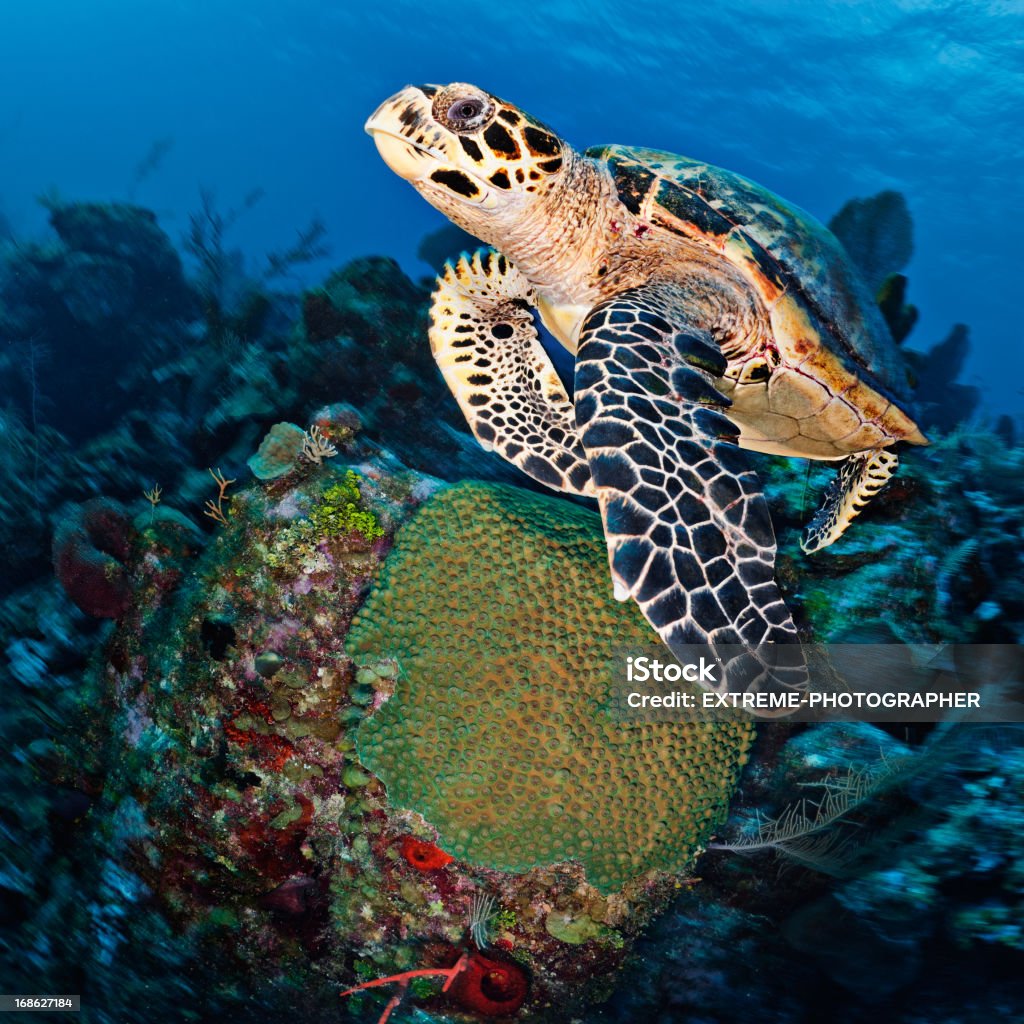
x: 706, y: 315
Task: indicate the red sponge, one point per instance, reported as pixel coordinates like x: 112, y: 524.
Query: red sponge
x: 90, y: 549
x: 490, y: 987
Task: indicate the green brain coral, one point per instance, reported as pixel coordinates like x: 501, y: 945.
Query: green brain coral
x: 497, y: 606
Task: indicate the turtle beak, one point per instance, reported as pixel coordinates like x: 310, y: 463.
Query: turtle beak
x: 424, y: 153
x: 404, y: 131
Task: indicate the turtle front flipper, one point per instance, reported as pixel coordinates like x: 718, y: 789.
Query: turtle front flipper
x: 859, y: 479
x: 484, y: 341
x: 687, y: 526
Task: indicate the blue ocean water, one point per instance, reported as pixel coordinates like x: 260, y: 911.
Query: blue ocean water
x: 820, y: 101
x: 162, y: 850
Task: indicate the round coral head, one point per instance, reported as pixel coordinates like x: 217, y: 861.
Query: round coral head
x: 424, y: 856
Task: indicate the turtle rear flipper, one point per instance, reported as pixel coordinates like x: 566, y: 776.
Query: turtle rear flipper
x: 688, y: 530
x: 486, y: 346
x: 859, y: 479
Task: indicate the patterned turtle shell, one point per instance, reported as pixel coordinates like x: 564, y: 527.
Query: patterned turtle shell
x: 779, y: 247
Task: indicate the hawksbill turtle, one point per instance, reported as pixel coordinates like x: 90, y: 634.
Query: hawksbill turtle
x: 706, y: 315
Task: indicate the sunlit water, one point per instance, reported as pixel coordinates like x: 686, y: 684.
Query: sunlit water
x: 818, y: 101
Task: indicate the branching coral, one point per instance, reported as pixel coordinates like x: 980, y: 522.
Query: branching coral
x: 481, y: 984
x: 448, y: 973
x: 822, y: 834
x: 938, y: 556
x: 316, y: 446
x: 215, y: 510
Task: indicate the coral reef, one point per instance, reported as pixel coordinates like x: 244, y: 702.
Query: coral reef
x: 936, y: 557
x: 234, y: 794
x: 916, y: 910
x: 217, y: 739
x: 498, y: 730
x: 117, y: 235
x: 878, y: 234
x: 187, y: 373
x: 36, y: 470
x: 898, y: 314
x: 111, y: 284
x: 446, y: 243
x: 364, y: 331
x: 943, y: 402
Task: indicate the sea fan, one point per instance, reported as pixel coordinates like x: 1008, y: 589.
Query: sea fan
x: 804, y: 830
x: 818, y: 835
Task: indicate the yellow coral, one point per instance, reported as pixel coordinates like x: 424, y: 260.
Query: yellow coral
x: 497, y: 605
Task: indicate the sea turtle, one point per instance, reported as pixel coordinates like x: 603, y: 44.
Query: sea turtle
x: 706, y: 315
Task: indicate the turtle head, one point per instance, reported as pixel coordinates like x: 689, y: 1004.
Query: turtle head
x: 479, y: 160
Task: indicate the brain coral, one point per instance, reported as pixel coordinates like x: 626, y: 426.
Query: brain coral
x: 497, y: 605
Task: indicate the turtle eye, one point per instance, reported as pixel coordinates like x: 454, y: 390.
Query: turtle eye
x: 463, y: 113
x: 465, y: 110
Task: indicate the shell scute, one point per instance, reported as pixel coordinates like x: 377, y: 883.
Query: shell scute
x: 864, y: 438
x: 795, y: 328
x: 792, y: 393
x: 793, y: 250
x: 760, y: 268
x: 632, y: 180
x: 679, y: 206
x: 838, y: 417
